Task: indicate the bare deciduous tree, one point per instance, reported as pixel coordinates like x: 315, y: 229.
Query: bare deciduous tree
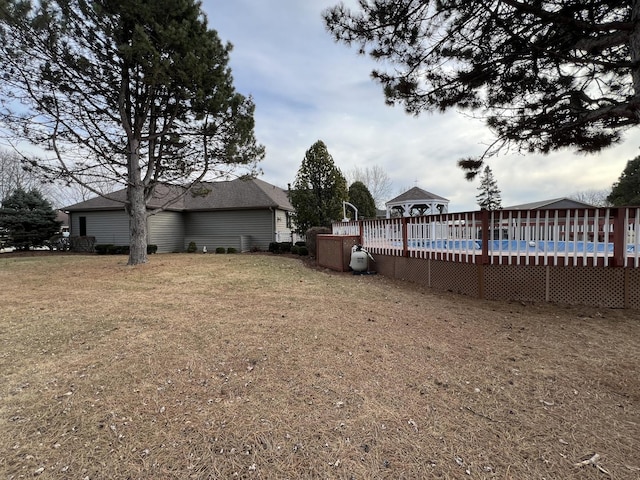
x: 595, y: 197
x: 16, y: 171
x: 375, y: 179
x: 13, y: 175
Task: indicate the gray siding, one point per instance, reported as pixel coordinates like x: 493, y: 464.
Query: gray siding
x: 166, y: 230
x: 242, y: 243
x: 108, y: 227
x: 172, y: 231
x: 213, y: 227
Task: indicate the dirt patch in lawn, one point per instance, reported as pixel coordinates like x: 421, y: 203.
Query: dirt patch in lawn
x: 257, y: 366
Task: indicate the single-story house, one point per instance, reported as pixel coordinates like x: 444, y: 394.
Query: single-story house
x: 560, y: 203
x: 244, y: 214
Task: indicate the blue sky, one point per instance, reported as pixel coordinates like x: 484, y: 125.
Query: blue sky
x: 307, y: 88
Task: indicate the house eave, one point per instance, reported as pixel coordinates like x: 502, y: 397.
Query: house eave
x: 235, y: 209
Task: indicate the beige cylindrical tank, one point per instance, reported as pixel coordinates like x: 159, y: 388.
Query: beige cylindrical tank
x: 359, y: 261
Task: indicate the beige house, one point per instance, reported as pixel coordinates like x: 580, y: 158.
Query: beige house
x: 244, y: 214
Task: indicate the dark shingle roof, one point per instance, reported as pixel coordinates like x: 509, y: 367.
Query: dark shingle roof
x: 229, y: 195
x: 111, y: 201
x: 416, y: 193
x: 549, y: 204
x: 237, y: 194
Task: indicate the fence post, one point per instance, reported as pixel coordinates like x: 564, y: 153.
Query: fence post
x: 360, y: 234
x: 405, y: 240
x: 484, y: 257
x: 619, y: 232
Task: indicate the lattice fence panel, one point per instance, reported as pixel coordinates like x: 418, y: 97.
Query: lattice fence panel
x: 509, y: 282
x: 594, y: 286
x: 384, y: 265
x: 414, y: 270
x: 455, y: 277
x: 599, y: 287
x: 633, y: 287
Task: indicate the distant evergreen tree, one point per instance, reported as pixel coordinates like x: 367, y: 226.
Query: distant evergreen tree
x: 626, y: 191
x: 28, y: 219
x: 319, y: 190
x: 360, y: 196
x: 489, y: 197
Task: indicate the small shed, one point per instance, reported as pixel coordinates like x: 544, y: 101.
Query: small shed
x: 415, y: 202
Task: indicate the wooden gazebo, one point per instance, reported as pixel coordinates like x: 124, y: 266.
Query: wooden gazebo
x: 415, y: 202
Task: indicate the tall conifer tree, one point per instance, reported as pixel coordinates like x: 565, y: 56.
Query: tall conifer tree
x: 319, y: 190
x: 626, y: 191
x: 489, y: 197
x: 361, y: 197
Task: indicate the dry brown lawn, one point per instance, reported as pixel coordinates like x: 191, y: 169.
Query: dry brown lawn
x: 257, y: 366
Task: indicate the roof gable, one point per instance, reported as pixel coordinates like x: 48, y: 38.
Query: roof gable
x: 416, y: 193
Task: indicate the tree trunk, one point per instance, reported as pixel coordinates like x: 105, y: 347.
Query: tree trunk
x: 137, y: 210
x: 137, y: 225
x: 634, y: 49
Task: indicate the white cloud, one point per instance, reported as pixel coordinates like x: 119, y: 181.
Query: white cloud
x: 308, y: 88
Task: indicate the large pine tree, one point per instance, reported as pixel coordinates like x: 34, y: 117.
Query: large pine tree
x: 318, y: 191
x: 548, y: 73
x: 626, y: 191
x: 27, y: 219
x: 139, y: 90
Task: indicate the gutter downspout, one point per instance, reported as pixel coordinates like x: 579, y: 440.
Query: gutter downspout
x: 273, y: 224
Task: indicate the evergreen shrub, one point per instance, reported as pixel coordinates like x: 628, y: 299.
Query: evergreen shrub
x: 103, y: 248
x: 111, y: 249
x: 118, y: 250
x: 311, y: 235
x: 280, y: 247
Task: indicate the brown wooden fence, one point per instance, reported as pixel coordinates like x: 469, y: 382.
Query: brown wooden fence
x: 576, y: 256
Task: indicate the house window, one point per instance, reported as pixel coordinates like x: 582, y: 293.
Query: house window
x: 83, y: 226
x: 289, y: 219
